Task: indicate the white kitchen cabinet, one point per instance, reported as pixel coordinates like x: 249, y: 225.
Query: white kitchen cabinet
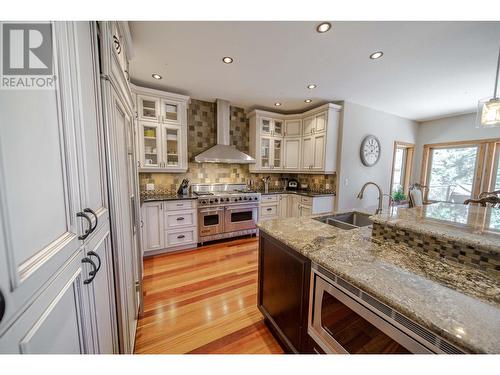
x: 283, y: 205
x: 150, y: 144
x: 48, y: 307
x: 169, y: 226
x: 294, y: 205
x: 148, y: 108
x: 306, y: 142
x: 152, y: 226
x: 162, y: 141
x: 118, y: 106
x: 293, y: 128
x: 305, y: 210
x: 292, y: 153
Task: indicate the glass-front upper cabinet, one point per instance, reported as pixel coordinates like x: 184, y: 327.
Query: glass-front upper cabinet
x: 171, y: 146
x: 170, y: 111
x: 265, y: 125
x: 150, y: 156
x: 278, y: 128
x: 148, y: 108
x: 277, y: 152
x: 265, y: 152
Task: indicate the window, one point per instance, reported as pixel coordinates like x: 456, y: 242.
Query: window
x: 451, y: 176
x: 401, y: 166
x: 456, y: 171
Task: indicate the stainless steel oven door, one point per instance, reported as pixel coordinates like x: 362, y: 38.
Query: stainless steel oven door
x: 240, y: 217
x: 210, y: 221
x: 340, y: 324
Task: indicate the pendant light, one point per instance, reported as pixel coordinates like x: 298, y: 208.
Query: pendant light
x: 488, y: 111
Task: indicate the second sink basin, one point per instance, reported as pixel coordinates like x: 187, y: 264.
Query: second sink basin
x: 347, y: 220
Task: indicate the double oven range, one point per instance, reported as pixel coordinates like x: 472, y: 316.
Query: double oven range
x: 225, y: 210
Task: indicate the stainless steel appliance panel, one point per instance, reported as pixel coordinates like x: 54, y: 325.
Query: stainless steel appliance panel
x: 210, y: 221
x: 240, y: 217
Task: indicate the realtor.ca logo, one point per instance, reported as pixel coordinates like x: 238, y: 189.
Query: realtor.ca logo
x: 27, y: 56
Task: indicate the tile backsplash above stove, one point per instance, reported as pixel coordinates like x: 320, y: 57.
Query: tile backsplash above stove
x: 201, y: 124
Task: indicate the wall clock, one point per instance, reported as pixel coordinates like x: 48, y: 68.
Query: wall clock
x: 370, y: 150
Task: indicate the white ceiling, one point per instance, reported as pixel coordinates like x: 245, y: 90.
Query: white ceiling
x: 429, y: 69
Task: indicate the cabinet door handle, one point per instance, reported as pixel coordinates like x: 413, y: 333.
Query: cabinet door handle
x: 181, y: 236
x: 138, y: 163
x: 180, y: 218
x: 90, y: 211
x: 91, y: 273
x: 2, y: 306
x: 93, y: 253
x: 269, y: 209
x: 87, y: 231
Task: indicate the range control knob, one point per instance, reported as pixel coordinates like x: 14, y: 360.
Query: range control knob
x: 245, y: 198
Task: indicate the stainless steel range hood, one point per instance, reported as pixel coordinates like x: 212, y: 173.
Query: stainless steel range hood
x: 223, y: 152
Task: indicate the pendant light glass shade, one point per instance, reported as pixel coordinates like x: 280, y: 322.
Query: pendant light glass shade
x: 488, y: 111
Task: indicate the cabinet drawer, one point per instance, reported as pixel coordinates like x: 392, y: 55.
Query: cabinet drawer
x: 269, y: 211
x: 179, y: 205
x: 174, y: 219
x: 269, y: 198
x: 306, y: 200
x: 180, y: 237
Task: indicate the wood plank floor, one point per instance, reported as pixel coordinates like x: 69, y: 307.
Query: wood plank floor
x: 204, y: 301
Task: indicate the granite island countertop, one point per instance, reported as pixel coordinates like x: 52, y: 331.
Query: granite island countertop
x: 458, y: 303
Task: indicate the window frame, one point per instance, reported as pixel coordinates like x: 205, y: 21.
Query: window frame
x: 487, y: 152
x: 408, y: 164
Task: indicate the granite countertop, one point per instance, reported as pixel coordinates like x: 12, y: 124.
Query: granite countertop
x: 305, y: 193
x: 469, y: 224
x: 459, y: 303
x: 165, y: 197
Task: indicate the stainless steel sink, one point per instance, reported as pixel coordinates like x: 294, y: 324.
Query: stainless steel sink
x: 346, y: 220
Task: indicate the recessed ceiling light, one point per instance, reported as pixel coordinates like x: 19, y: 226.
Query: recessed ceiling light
x: 277, y: 104
x: 311, y: 86
x: 376, y: 55
x: 308, y: 100
x: 227, y: 60
x: 156, y: 76
x: 323, y: 27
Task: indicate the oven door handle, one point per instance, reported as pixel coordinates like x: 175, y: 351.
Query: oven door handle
x: 233, y: 208
x: 214, y: 210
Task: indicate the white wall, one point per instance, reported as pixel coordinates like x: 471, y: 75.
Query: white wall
x: 449, y: 129
x: 357, y: 122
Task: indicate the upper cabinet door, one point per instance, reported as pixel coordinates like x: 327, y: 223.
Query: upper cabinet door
x: 293, y: 128
x: 319, y: 151
x: 265, y: 153
x: 320, y: 125
x: 148, y: 107
x: 265, y: 126
x: 278, y: 128
x: 150, y: 146
x: 170, y: 112
x: 308, y: 125
x: 307, y: 153
x: 277, y: 152
x: 171, y: 155
x: 291, y: 159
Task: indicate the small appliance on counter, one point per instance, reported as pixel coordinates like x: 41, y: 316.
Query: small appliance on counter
x: 293, y: 184
x: 184, y: 187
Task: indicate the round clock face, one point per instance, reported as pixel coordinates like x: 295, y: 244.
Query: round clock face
x: 370, y: 150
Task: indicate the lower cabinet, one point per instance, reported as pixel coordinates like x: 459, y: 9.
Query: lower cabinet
x: 283, y: 293
x: 59, y: 320
x: 169, y: 226
x: 282, y: 205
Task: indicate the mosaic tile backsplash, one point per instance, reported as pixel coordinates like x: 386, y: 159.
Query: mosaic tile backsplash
x: 439, y: 248
x: 202, y: 134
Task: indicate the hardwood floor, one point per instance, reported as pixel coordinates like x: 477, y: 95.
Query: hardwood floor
x: 204, y: 301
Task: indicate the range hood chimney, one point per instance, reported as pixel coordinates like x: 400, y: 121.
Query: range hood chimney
x: 223, y: 152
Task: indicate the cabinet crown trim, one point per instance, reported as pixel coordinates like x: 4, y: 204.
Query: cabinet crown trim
x: 295, y: 116
x: 140, y: 90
